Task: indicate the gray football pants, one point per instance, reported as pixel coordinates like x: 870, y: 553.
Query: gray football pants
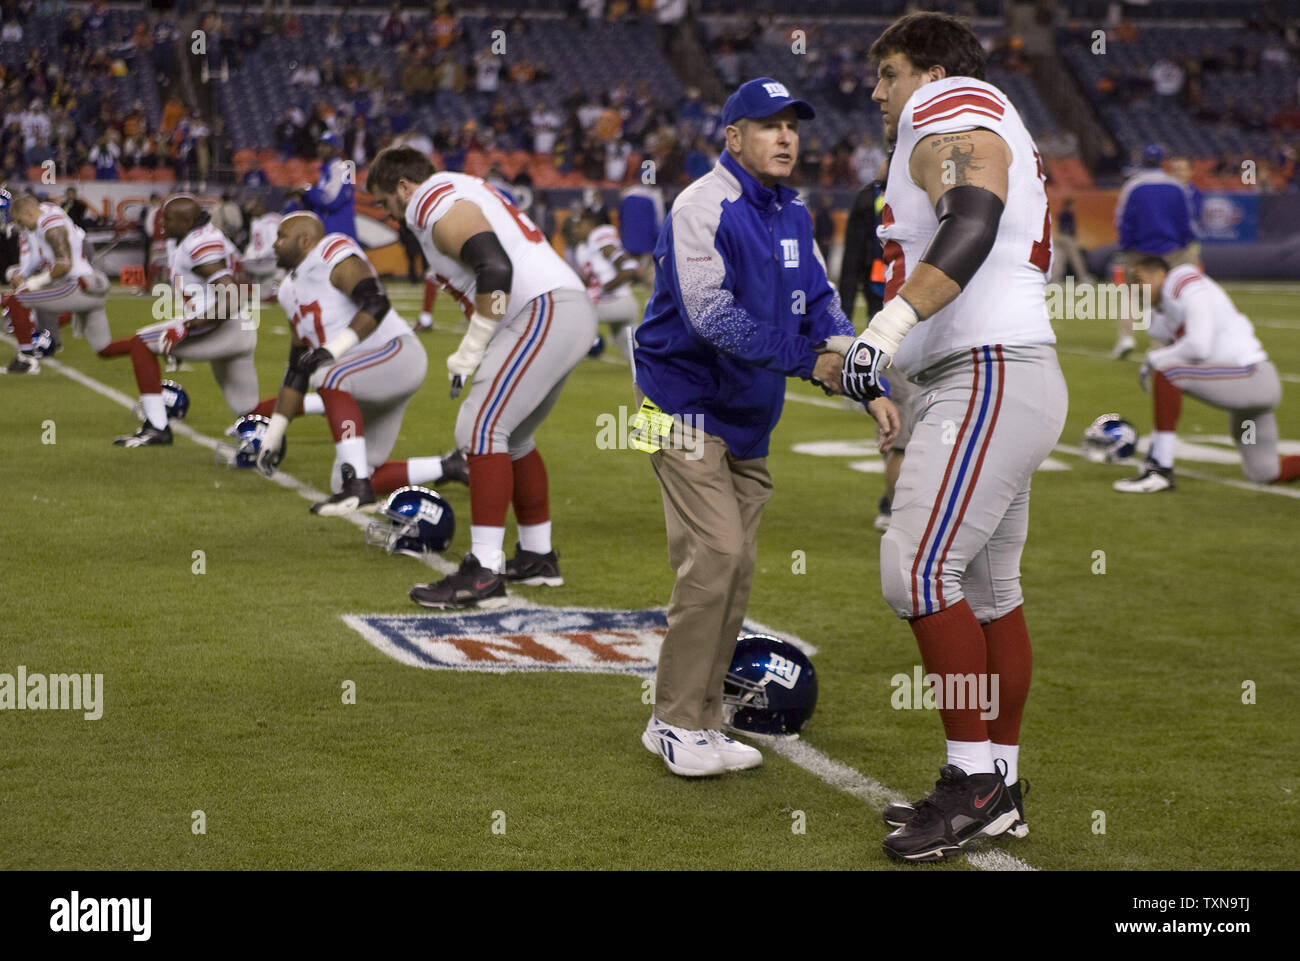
x: 83, y: 297
x: 382, y: 382
x: 523, y: 372
x: 1249, y: 395
x: 985, y: 419
x: 228, y: 348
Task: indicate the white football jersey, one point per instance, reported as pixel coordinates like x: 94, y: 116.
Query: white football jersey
x: 261, y: 237
x: 318, y: 310
x: 40, y: 255
x: 1201, y: 324
x: 536, y: 267
x: 596, y: 269
x: 202, y: 245
x: 1005, y: 302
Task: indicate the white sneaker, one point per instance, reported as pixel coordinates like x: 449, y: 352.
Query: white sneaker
x: 1123, y: 347
x: 688, y: 753
x: 737, y: 756
x: 424, y: 321
x: 1152, y: 480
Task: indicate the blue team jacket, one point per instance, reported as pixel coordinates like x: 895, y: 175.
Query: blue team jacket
x: 740, y: 298
x: 1154, y: 214
x: 332, y: 199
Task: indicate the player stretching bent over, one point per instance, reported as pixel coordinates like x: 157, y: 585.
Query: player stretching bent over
x: 532, y: 323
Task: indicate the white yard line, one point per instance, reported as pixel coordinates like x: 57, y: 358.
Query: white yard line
x: 832, y: 772
x: 287, y: 481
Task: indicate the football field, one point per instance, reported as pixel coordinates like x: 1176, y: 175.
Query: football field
x: 245, y: 724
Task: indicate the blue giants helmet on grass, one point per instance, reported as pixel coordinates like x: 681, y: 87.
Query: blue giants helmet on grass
x: 1109, y: 439
x: 250, y: 427
x: 414, y: 521
x: 175, y: 399
x: 770, y: 688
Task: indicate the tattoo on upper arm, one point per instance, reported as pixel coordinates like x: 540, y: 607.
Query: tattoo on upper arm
x: 959, y: 165
x: 58, y: 240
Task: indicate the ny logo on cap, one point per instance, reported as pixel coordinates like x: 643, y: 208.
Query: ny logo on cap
x: 775, y: 90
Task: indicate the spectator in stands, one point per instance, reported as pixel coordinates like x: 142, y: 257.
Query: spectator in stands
x: 867, y: 158
x: 1066, y: 247
x: 810, y: 162
x: 76, y: 208
x: 307, y: 76
x: 12, y: 32
x: 35, y: 124
x: 357, y: 143
x: 824, y: 226
x: 104, y: 156
x: 332, y: 198
x: 1154, y: 218
x: 444, y: 28
x: 172, y: 114
x: 393, y: 29
x: 487, y: 75
x: 229, y: 219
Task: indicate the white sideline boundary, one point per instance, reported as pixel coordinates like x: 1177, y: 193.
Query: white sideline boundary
x: 834, y: 773
x: 287, y: 481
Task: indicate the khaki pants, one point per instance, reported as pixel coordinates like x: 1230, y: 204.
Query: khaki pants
x: 712, y: 506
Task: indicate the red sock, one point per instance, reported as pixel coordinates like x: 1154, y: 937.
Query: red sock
x: 264, y: 407
x: 1169, y: 403
x: 389, y: 476
x: 1289, y: 469
x: 65, y: 319
x: 952, y: 643
x: 491, y: 480
x: 148, y: 375
x: 430, y: 294
x: 531, y: 491
x: 343, y: 413
x: 21, y: 318
x: 1011, y: 661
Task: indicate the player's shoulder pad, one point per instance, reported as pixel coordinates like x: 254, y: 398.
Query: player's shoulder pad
x: 204, y: 244
x: 51, y: 217
x: 431, y: 200
x: 603, y: 236
x: 953, y: 104
x: 1179, y: 279
x: 336, y: 248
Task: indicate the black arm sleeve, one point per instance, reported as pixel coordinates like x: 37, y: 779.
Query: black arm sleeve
x: 295, y: 379
x: 968, y: 225
x: 370, y: 297
x: 488, y: 259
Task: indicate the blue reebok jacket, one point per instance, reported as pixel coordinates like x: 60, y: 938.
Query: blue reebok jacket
x: 332, y: 199
x: 1153, y: 214
x: 740, y: 298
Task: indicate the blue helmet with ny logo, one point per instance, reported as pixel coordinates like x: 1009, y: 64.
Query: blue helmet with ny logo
x: 413, y: 520
x: 770, y: 688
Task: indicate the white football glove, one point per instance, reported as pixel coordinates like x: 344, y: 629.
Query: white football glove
x: 462, y: 364
x: 37, y: 281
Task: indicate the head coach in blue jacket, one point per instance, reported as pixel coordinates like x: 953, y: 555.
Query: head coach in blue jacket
x: 740, y: 303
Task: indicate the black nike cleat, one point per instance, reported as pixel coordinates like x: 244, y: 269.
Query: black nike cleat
x: 899, y: 813
x: 529, y: 567
x: 356, y: 495
x: 960, y: 809
x: 455, y: 467
x: 147, y: 436
x: 1021, y: 827
x: 24, y: 363
x: 471, y: 586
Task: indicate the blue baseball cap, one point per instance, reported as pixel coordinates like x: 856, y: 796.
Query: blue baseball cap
x: 763, y: 97
x: 1153, y: 154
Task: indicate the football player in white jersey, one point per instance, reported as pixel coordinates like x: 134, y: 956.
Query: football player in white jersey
x: 609, y: 272
x: 1209, y: 350
x: 259, y: 256
x: 967, y: 246
x: 531, y: 324
x: 52, y: 277
x: 213, y: 323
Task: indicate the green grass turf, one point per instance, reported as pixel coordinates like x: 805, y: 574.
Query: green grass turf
x: 223, y: 690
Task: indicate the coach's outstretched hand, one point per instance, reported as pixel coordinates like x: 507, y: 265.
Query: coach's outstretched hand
x: 887, y: 422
